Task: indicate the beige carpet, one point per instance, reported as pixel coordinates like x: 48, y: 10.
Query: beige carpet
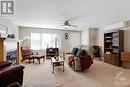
x: 99, y: 75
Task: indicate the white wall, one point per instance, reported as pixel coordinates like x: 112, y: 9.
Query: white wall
x: 74, y: 39
x: 90, y: 36
x: 127, y: 39
x: 12, y: 28
x: 26, y: 31
x: 101, y: 37
x: 93, y: 36
x: 85, y: 37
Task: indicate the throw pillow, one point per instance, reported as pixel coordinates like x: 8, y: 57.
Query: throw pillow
x: 85, y: 52
x: 81, y: 52
x: 78, y: 52
x: 74, y: 51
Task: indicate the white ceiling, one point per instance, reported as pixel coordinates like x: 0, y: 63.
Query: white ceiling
x: 85, y: 13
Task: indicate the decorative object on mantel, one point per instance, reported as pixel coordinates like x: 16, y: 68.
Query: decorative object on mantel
x: 12, y: 36
x: 66, y: 36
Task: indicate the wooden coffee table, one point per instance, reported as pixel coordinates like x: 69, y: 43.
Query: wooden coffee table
x: 57, y: 62
x: 38, y: 57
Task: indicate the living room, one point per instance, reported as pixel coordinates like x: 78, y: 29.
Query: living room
x: 82, y: 43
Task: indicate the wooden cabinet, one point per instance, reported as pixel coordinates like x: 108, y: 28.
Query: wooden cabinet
x: 125, y: 58
x: 113, y: 45
x: 51, y: 52
x: 111, y: 59
x: 107, y: 57
x: 2, y: 49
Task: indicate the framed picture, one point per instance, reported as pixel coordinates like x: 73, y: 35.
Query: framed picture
x: 3, y: 29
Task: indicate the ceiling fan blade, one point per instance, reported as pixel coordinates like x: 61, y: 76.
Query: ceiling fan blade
x: 73, y: 25
x: 59, y: 26
x: 77, y: 17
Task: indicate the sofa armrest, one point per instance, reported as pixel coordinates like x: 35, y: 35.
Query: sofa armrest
x: 77, y: 63
x: 10, y: 69
x: 11, y: 74
x: 5, y: 64
x: 68, y: 53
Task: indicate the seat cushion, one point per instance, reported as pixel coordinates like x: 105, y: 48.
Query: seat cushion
x: 74, y: 51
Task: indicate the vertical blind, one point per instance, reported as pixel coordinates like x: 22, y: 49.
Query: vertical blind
x: 45, y: 40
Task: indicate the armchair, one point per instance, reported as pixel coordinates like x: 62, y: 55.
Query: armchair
x: 27, y: 54
x: 10, y: 74
x: 96, y: 51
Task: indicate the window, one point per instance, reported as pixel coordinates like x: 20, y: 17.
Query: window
x: 45, y: 40
x: 35, y: 41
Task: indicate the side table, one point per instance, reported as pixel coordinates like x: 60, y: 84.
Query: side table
x: 57, y: 62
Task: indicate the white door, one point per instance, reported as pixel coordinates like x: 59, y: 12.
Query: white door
x: 74, y: 39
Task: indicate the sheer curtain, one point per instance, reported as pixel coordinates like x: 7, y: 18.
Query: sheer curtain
x: 35, y: 41
x: 45, y: 40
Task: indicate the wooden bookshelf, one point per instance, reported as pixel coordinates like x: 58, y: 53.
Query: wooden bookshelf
x: 113, y: 45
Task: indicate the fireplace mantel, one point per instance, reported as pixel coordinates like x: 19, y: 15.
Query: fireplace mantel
x: 2, y: 48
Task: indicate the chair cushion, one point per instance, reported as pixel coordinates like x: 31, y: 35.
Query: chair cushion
x: 74, y: 51
x: 79, y: 52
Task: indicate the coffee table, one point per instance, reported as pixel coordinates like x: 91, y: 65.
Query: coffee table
x: 57, y: 61
x: 38, y: 57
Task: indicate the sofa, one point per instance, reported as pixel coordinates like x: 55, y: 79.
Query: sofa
x: 10, y: 73
x: 79, y: 60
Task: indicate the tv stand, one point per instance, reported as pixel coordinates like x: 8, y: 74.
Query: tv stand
x: 51, y: 52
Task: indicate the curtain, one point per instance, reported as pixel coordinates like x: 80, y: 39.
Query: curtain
x: 45, y: 40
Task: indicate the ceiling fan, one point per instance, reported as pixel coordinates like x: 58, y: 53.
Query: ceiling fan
x: 67, y: 24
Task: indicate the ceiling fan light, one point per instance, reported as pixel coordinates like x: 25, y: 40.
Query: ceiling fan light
x: 66, y: 26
